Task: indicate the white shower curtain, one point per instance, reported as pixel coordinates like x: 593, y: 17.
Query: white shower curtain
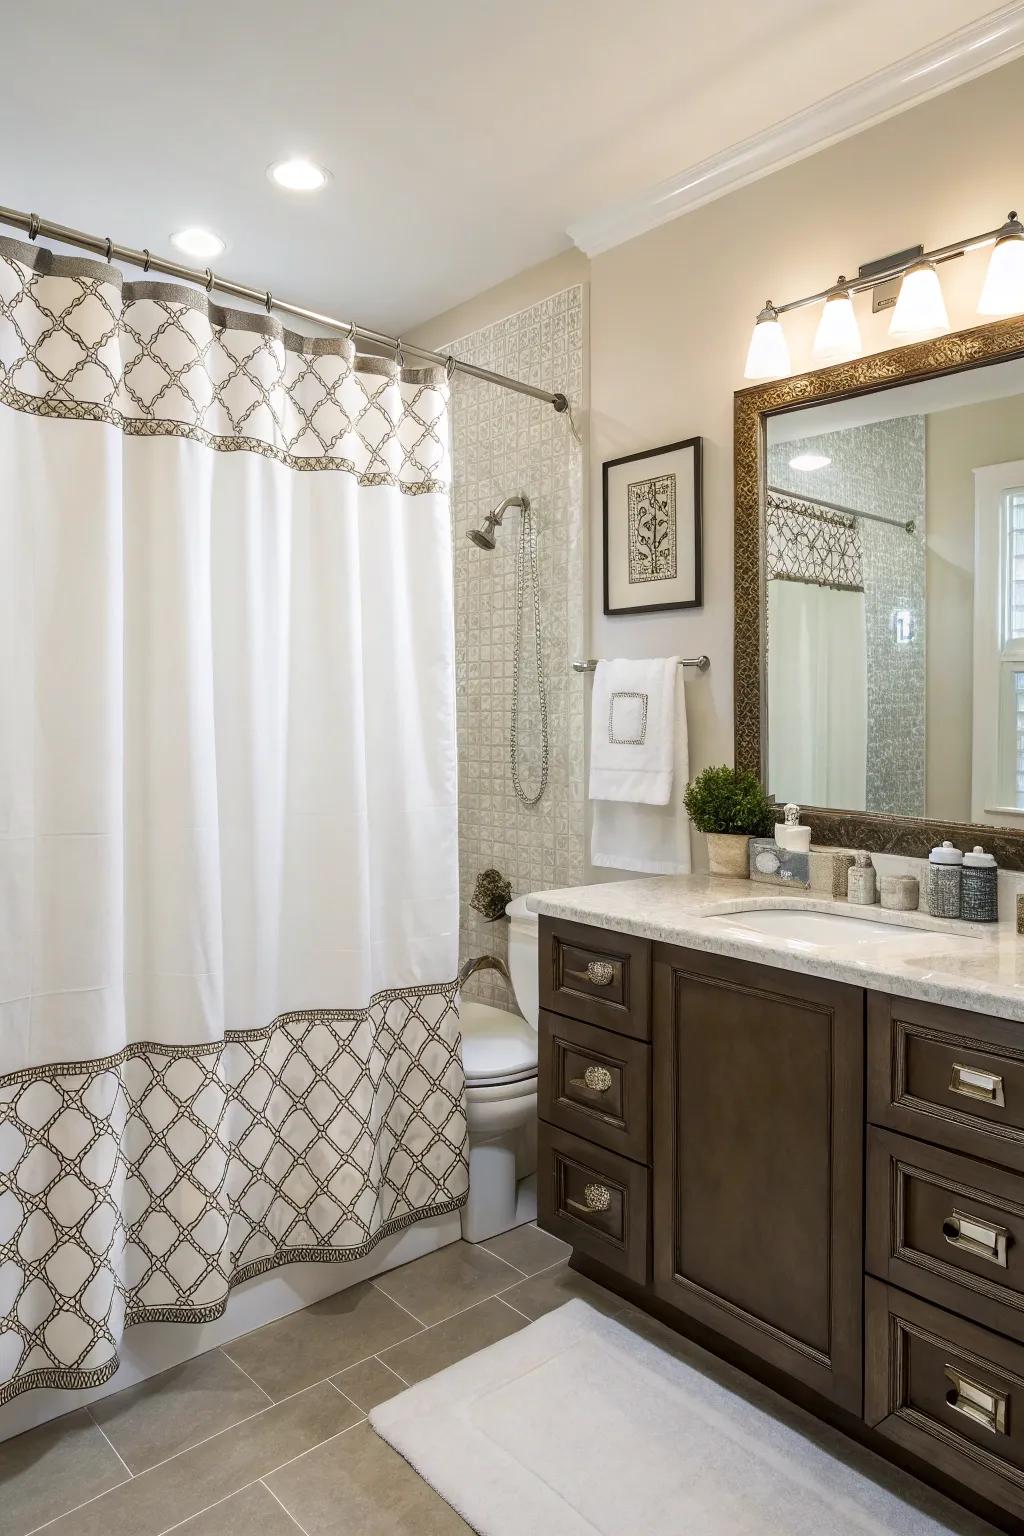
x: 817, y: 694
x: 228, y: 860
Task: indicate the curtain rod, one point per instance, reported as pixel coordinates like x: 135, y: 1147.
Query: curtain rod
x: 832, y: 506
x: 109, y: 250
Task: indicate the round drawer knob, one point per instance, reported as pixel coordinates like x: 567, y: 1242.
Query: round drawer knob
x: 598, y: 1079
x: 598, y: 1197
x: 600, y: 972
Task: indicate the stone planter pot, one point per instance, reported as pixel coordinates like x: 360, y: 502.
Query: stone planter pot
x: 728, y: 854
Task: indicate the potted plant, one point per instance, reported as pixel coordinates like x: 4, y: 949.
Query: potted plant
x: 729, y: 806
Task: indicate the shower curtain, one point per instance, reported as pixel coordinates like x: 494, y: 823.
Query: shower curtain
x: 228, y: 860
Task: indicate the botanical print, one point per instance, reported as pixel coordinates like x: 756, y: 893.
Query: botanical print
x: 652, y: 529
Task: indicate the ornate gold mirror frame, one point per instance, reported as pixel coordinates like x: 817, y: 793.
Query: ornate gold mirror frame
x: 911, y: 836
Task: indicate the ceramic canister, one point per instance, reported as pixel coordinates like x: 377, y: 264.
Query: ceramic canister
x: 945, y: 877
x: 900, y: 893
x: 979, y: 891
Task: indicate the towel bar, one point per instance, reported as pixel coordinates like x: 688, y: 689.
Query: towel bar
x: 700, y: 662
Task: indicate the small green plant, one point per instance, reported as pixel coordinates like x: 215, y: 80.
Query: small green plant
x: 729, y: 800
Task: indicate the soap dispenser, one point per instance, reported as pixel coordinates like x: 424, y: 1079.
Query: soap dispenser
x: 789, y: 834
x: 945, y: 878
x: 860, y: 882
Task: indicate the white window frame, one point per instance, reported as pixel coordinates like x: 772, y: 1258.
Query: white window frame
x: 996, y: 657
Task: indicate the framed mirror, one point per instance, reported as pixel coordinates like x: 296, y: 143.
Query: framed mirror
x: 879, y: 613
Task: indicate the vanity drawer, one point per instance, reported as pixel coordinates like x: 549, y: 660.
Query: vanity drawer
x: 596, y: 975
x: 595, y: 1083
x: 595, y: 1200
x: 948, y: 1391
x: 950, y: 1077
x: 948, y: 1228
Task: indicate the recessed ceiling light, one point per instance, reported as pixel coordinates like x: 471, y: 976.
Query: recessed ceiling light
x: 808, y: 461
x: 201, y: 243
x: 298, y: 175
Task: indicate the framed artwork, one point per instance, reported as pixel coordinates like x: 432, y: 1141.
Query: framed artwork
x: 652, y: 546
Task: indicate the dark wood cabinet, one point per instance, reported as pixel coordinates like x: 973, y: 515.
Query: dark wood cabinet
x: 705, y: 1128
x: 758, y: 1137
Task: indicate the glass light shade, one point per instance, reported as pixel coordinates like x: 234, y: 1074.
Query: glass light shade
x: 838, y: 334
x: 920, y: 308
x: 298, y: 175
x: 1003, y: 290
x: 768, y: 353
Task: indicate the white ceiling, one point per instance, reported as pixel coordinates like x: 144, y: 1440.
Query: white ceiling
x: 464, y: 136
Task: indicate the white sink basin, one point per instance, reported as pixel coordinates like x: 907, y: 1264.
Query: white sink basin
x: 798, y: 928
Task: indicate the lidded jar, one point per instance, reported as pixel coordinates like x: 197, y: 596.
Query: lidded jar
x: 860, y: 881
x: 979, y: 891
x: 945, y: 878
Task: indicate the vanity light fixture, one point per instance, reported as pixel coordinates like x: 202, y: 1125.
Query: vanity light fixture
x: 838, y: 334
x: 1003, y: 290
x: 920, y: 309
x: 806, y: 462
x: 201, y: 243
x: 298, y: 175
x: 768, y: 353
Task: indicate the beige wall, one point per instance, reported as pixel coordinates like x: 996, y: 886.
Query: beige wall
x: 957, y: 442
x: 670, y: 318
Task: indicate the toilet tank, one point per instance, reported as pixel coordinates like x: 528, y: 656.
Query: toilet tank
x: 522, y: 958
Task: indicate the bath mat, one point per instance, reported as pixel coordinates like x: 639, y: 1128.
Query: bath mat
x: 576, y: 1426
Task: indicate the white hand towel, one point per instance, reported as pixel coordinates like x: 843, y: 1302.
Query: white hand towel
x: 632, y: 730
x: 650, y: 839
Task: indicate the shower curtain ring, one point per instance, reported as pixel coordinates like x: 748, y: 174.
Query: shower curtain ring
x: 269, y: 301
x: 399, y: 354
x: 209, y: 280
x: 449, y: 369
x: 33, y: 225
x: 146, y: 263
x: 107, y: 241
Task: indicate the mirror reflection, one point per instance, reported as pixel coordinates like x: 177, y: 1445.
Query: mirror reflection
x: 894, y: 550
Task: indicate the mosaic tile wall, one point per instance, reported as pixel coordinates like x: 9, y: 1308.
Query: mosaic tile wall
x: 880, y: 468
x: 504, y: 443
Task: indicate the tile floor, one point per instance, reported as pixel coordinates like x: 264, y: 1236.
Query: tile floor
x: 268, y: 1436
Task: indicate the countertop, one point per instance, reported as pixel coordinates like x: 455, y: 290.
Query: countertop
x: 984, y: 973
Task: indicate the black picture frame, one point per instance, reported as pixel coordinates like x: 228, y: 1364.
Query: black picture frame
x: 697, y: 600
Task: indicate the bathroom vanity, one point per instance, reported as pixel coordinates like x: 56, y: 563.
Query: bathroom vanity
x: 796, y: 1132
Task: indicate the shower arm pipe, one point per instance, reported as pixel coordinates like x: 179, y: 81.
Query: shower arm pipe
x: 833, y: 506
x: 110, y: 250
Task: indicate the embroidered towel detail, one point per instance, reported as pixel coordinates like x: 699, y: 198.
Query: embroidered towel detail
x: 650, y: 839
x: 632, y: 731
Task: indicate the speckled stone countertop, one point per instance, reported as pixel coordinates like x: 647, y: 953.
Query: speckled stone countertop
x: 979, y: 966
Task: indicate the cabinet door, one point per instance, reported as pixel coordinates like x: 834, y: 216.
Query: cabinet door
x: 758, y: 1161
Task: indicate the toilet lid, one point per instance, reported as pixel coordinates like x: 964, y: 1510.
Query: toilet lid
x: 497, y: 1046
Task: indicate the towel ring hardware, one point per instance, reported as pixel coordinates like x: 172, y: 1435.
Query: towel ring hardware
x: 700, y: 662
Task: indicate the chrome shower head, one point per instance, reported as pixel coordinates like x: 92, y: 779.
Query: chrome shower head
x: 483, y: 537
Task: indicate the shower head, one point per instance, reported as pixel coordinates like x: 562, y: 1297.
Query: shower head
x: 483, y: 537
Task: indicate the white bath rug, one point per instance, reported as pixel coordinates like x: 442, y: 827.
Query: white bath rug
x: 576, y: 1426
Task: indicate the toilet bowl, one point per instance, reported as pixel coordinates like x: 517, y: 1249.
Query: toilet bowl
x: 499, y: 1056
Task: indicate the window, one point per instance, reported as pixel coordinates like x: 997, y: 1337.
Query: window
x: 998, y: 755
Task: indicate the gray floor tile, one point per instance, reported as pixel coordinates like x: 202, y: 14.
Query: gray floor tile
x: 359, y: 1486
x: 168, y: 1413
x: 191, y: 1482
x: 369, y: 1383
x: 528, y: 1248
x: 323, y: 1339
x: 434, y: 1287
x: 461, y: 1335
x: 253, y: 1512
x: 543, y: 1293
x: 47, y: 1471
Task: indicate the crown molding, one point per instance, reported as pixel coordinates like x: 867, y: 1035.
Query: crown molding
x: 985, y: 44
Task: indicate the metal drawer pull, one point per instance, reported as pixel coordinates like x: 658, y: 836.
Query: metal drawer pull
x: 596, y: 1197
x: 597, y: 1079
x: 600, y: 972
x: 973, y: 1083
x: 982, y: 1405
x: 984, y: 1239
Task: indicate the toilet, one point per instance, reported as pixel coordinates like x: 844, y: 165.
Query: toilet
x: 499, y: 1056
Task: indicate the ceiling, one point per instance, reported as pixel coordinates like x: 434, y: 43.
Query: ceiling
x: 464, y: 136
